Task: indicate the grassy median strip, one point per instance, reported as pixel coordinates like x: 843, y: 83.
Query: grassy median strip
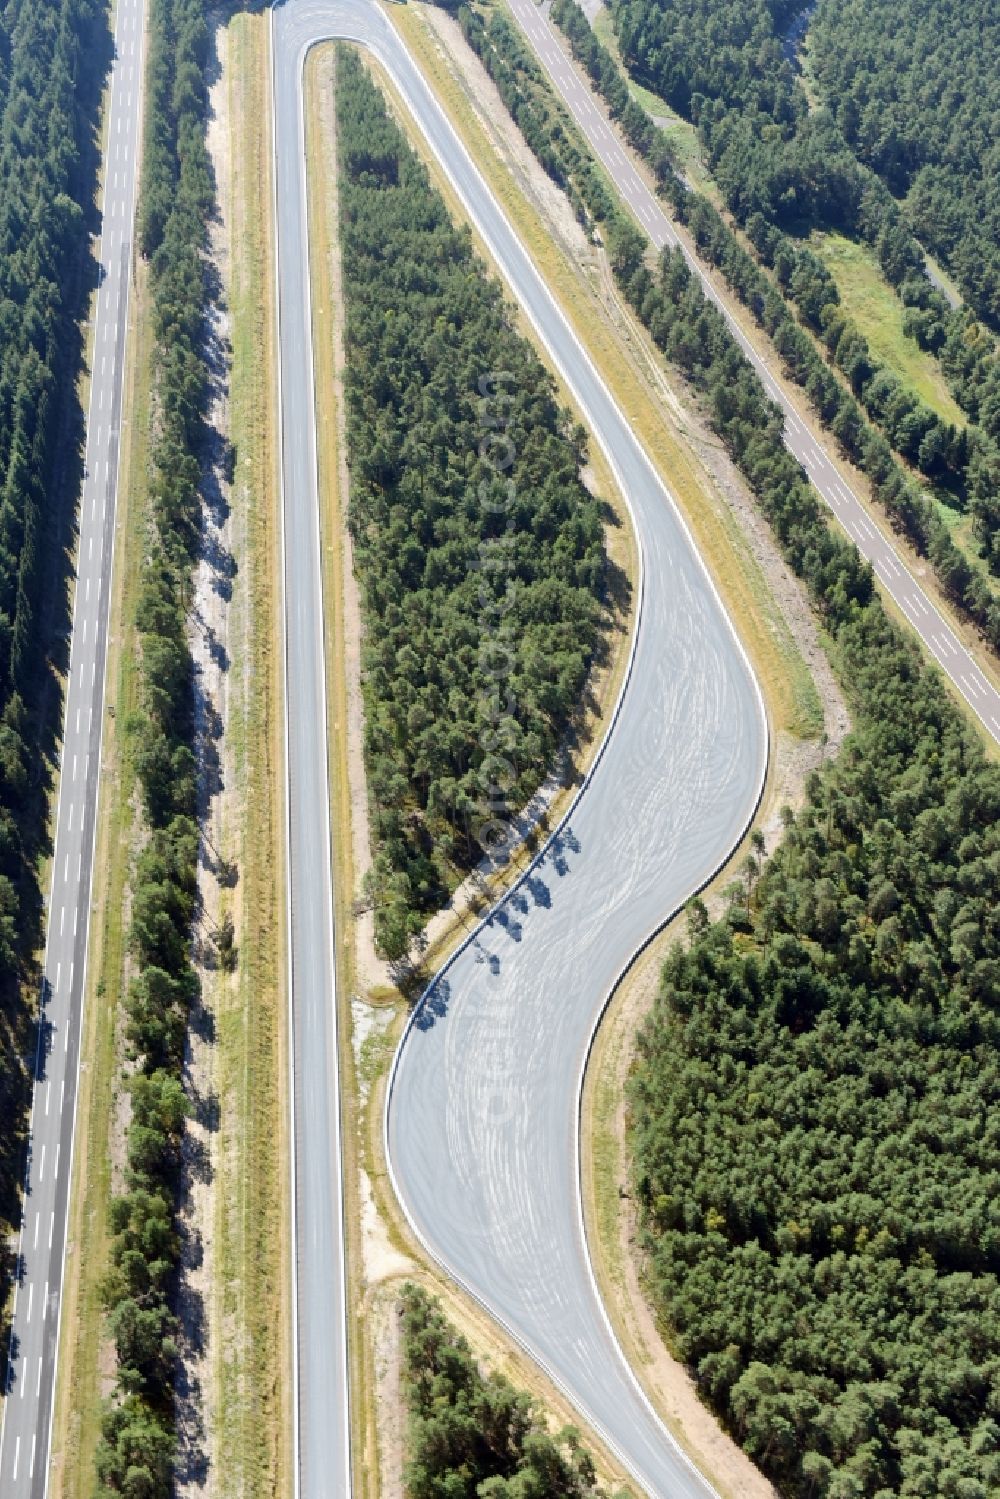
x: 250, y: 1400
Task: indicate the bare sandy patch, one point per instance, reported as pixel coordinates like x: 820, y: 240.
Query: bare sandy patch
x: 382, y: 1259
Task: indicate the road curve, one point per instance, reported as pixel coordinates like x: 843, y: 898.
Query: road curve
x: 895, y: 578
x: 482, y: 1116
x: 26, y: 1436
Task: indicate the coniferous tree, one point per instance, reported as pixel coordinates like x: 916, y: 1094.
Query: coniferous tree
x: 479, y: 551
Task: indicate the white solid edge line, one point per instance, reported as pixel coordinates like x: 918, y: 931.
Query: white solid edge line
x: 567, y: 376
x: 330, y: 933
x: 31, y: 1115
x: 296, y: 1489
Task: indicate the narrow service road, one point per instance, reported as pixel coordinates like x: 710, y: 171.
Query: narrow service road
x: 26, y: 1436
x: 893, y: 574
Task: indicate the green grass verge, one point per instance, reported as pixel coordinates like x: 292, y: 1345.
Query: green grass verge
x: 873, y: 305
x: 250, y: 1348
x: 871, y: 302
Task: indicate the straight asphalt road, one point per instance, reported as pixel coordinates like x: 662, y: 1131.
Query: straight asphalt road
x: 894, y: 576
x: 321, y: 1396
x: 482, y: 1117
x: 27, y: 1423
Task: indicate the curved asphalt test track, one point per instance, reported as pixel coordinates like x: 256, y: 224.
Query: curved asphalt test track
x: 482, y: 1115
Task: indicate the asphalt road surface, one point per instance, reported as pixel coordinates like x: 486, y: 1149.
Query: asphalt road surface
x: 322, y: 1438
x: 24, y: 1445
x: 482, y: 1119
x: 894, y: 576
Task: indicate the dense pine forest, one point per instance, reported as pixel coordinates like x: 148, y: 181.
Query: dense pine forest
x: 476, y: 1437
x: 479, y: 551
x: 721, y: 63
x: 787, y: 168
x: 52, y: 60
x: 136, y: 1454
x: 915, y: 88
